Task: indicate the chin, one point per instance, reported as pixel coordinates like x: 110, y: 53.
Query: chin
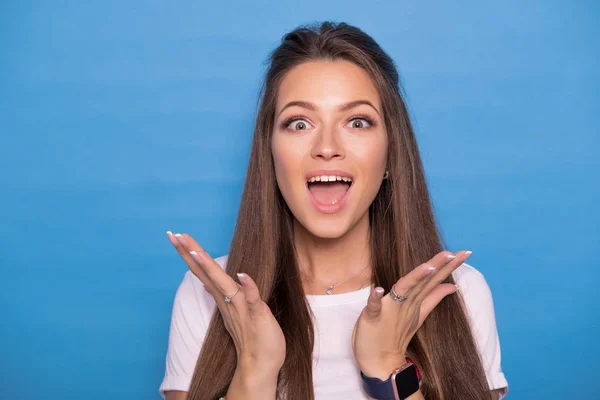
x: 324, y: 231
x: 326, y: 226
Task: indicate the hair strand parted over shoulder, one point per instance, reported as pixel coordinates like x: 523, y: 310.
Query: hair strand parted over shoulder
x: 403, y: 234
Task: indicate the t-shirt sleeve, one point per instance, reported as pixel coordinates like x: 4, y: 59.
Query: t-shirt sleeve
x: 192, y: 310
x: 480, y: 307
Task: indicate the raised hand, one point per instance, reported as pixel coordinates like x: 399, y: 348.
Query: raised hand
x: 258, y: 338
x: 386, y: 325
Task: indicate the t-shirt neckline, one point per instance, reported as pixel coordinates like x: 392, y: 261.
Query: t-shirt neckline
x: 324, y: 300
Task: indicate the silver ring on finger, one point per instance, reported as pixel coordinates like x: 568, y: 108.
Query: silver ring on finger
x: 395, y: 296
x: 227, y: 299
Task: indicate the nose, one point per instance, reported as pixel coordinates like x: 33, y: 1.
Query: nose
x: 328, y: 145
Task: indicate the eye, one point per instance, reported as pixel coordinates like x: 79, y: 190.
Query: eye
x: 361, y: 123
x: 296, y: 124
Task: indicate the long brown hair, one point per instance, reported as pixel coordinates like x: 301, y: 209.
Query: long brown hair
x: 403, y: 234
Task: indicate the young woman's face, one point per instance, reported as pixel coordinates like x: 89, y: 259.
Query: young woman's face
x: 329, y: 145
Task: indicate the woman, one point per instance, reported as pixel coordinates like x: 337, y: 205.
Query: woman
x: 335, y: 212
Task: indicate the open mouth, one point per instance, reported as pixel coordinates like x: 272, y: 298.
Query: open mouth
x: 328, y: 190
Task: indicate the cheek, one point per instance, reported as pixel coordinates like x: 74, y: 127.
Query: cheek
x: 287, y: 159
x: 371, y: 155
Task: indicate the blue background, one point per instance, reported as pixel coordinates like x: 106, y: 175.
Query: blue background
x: 120, y: 120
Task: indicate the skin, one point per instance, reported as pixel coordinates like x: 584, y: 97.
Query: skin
x: 331, y: 247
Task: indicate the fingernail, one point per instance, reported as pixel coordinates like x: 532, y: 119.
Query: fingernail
x: 180, y: 238
x: 196, y: 256
x: 429, y: 270
x: 242, y: 278
x: 379, y: 291
x: 468, y: 252
x: 171, y: 238
x: 457, y: 288
x: 450, y: 257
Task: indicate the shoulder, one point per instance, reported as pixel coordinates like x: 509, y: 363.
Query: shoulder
x: 191, y: 282
x: 193, y: 308
x: 477, y: 297
x: 471, y: 281
x: 192, y: 297
x: 479, y: 306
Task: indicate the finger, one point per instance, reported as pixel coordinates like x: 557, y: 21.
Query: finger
x: 436, y: 264
x: 255, y: 304
x: 190, y: 245
x: 373, y: 308
x: 188, y: 242
x: 223, y: 284
x: 192, y: 253
x: 181, y: 245
x: 409, y: 282
x: 200, y: 262
x: 434, y: 298
x: 439, y: 276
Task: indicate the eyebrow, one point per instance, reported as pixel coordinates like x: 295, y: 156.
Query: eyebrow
x: 343, y: 107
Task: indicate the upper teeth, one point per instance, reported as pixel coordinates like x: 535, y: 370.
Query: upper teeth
x: 329, y: 178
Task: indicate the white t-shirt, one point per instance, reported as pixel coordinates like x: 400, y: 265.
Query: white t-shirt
x: 335, y: 372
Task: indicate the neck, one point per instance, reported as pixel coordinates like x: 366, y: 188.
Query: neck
x: 330, y: 261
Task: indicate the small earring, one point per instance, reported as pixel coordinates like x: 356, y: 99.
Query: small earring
x: 386, y: 174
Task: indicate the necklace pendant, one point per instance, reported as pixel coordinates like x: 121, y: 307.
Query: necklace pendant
x: 329, y: 290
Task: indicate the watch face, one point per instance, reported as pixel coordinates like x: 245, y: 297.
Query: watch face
x: 406, y: 382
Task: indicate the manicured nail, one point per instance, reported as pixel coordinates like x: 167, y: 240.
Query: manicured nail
x: 429, y: 269
x: 171, y: 238
x: 180, y: 238
x: 241, y: 278
x: 457, y: 288
x: 450, y: 257
x: 379, y: 291
x: 196, y: 256
x: 468, y: 252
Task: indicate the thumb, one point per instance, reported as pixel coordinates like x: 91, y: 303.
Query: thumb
x: 255, y: 303
x: 373, y: 308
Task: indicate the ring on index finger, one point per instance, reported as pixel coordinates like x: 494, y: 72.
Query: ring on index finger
x: 227, y: 299
x: 396, y: 297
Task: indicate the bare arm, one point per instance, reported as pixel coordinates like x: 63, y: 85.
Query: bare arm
x: 175, y: 395
x: 247, y: 386
x: 252, y: 385
x: 257, y: 336
x: 172, y: 395
x: 242, y: 387
x: 419, y: 396
x: 415, y: 396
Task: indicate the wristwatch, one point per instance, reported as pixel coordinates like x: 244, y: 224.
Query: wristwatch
x: 402, y: 383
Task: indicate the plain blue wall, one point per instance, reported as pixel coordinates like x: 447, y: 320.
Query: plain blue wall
x: 123, y: 119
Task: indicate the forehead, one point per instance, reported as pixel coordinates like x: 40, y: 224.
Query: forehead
x: 327, y: 84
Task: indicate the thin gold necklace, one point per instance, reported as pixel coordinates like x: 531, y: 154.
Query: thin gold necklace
x: 331, y: 287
